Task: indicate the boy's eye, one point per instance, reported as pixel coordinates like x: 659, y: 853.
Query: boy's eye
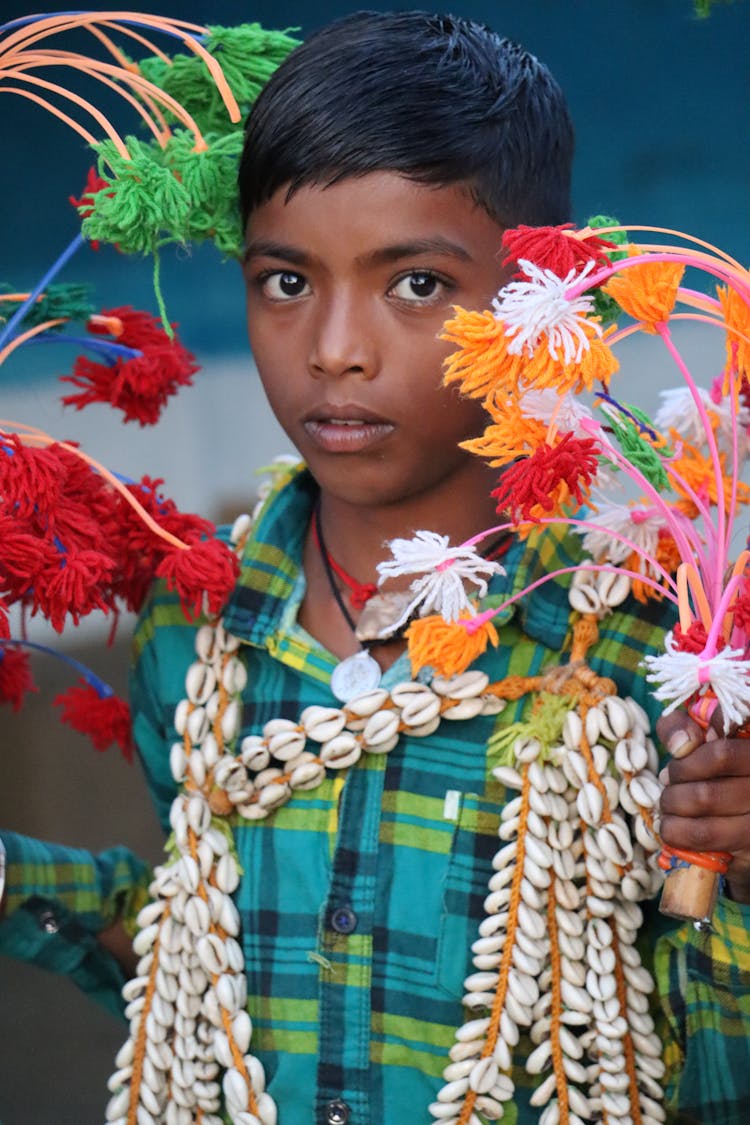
x: 418, y: 285
x: 283, y: 285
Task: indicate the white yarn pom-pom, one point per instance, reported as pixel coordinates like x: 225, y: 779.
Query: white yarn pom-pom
x: 538, y: 307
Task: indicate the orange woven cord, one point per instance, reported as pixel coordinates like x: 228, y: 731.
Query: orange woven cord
x: 627, y: 1040
x: 506, y: 961
x: 718, y: 862
x: 556, y: 1010
x: 139, y: 1052
x: 218, y: 799
x: 585, y: 634
x: 513, y: 687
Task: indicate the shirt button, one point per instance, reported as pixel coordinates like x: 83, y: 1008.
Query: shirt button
x: 48, y: 922
x: 337, y: 1113
x: 344, y: 921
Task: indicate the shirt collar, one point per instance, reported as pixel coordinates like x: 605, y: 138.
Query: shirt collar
x: 272, y: 560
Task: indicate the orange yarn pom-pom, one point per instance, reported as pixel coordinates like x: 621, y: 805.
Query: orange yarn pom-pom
x: 647, y: 291
x: 447, y: 647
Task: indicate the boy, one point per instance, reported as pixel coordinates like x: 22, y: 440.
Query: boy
x: 382, y: 164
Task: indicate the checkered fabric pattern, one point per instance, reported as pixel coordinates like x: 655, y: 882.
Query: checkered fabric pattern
x: 360, y: 899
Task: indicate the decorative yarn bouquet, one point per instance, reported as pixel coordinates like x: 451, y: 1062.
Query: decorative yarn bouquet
x: 75, y: 537
x: 555, y: 956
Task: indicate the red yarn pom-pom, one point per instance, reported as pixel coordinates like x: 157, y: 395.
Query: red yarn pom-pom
x: 104, y: 719
x: 16, y: 680
x: 204, y: 576
x: 137, y: 385
x: 551, y: 248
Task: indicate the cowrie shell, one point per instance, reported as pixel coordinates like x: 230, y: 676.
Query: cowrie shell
x: 212, y: 954
x: 539, y: 1057
x: 645, y: 790
x: 178, y: 761
x: 286, y: 744
x: 254, y: 753
x: 590, y: 804
x: 235, y: 1090
x: 234, y: 676
x: 575, y: 997
x: 483, y: 1076
x: 464, y: 709
x: 227, y: 642
x: 272, y: 795
x: 230, y: 773
x: 531, y: 922
x: 507, y: 776
x: 584, y: 599
x: 322, y: 723
x: 531, y: 894
x: 380, y: 728
x: 538, y: 777
x: 572, y: 947
x: 459, y: 1069
x: 526, y: 749
x: 574, y: 971
x: 572, y: 730
x: 200, y: 683
x: 612, y: 589
x: 231, y: 720
x: 631, y: 755
x: 307, y: 776
x: 206, y: 643
x: 463, y: 686
x: 197, y: 725
x: 227, y: 873
x: 453, y: 1090
x: 144, y: 939
x: 544, y: 1092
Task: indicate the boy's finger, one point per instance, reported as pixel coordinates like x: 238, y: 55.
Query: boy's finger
x: 720, y: 797
x: 706, y: 833
x: 724, y: 757
x: 679, y: 733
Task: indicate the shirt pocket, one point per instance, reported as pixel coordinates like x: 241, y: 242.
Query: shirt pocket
x: 475, y: 841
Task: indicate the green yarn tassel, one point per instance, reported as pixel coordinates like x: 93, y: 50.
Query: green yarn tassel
x: 61, y: 300
x: 544, y: 724
x: 606, y: 307
x: 636, y: 449
x: 248, y: 56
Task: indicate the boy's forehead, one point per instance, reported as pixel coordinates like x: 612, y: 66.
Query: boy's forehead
x: 383, y: 208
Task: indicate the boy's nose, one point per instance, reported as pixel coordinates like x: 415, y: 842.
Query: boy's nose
x: 343, y: 342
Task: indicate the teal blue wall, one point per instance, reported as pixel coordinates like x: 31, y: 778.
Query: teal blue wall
x: 660, y: 99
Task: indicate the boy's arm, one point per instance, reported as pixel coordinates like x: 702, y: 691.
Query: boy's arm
x: 63, y: 908
x: 704, y: 976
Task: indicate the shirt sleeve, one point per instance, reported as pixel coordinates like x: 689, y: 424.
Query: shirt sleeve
x: 58, y: 899
x: 704, y: 985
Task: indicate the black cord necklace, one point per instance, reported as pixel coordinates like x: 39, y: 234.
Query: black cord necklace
x: 356, y: 674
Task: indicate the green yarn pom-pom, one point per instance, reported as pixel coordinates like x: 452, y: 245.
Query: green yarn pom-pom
x: 248, y: 56
x: 606, y: 307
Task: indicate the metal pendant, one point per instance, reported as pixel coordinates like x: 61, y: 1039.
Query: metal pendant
x: 354, y: 676
x: 376, y: 622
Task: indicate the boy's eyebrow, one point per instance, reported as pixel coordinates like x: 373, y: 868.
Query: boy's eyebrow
x: 436, y: 245
x: 266, y: 248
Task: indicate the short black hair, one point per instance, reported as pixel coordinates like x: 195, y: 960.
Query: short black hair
x: 440, y: 99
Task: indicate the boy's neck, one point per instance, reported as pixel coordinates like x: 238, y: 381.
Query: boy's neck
x: 356, y: 535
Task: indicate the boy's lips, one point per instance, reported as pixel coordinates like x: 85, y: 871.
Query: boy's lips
x: 345, y: 429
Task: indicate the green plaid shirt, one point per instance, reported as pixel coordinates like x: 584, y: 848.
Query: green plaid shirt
x: 360, y: 899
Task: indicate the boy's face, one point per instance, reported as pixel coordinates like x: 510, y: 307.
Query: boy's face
x: 348, y: 287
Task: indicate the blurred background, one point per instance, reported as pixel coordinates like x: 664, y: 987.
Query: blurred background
x: 660, y: 100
